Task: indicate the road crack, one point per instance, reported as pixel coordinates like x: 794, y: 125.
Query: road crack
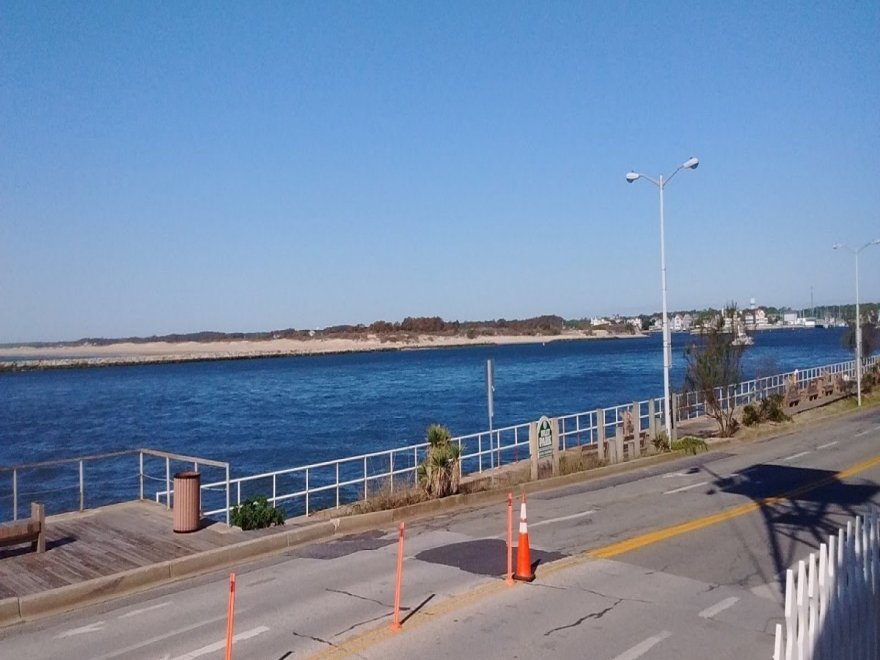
x: 370, y: 600
x: 592, y: 615
x: 321, y: 641
x: 619, y: 599
x: 361, y: 623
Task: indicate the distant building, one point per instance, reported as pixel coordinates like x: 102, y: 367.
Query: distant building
x: 681, y: 322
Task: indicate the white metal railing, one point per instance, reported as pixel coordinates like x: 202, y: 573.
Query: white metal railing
x: 832, y: 607
x: 341, y: 481
x: 691, y: 404
x: 65, y: 477
x: 330, y: 484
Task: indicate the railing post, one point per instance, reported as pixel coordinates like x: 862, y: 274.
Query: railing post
x: 366, y: 483
x: 307, y: 492
x: 82, y: 495
x: 337, y: 484
x: 274, y: 487
x: 227, y: 497
x: 141, y: 473
x: 167, y: 482
x: 391, y: 469
x: 15, y: 494
x: 480, y: 452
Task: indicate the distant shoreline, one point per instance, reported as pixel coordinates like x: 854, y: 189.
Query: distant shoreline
x: 76, y: 356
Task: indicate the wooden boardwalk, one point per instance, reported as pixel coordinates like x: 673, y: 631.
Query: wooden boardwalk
x: 106, y: 541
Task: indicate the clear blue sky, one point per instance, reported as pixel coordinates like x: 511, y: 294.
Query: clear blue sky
x: 169, y: 167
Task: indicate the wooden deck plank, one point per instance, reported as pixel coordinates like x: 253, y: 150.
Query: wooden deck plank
x: 81, y: 546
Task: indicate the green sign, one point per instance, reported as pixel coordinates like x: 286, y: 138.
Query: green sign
x: 545, y: 438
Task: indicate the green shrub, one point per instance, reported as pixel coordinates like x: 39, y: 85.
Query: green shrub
x: 661, y: 441
x: 256, y: 513
x: 772, y: 410
x: 751, y: 415
x: 769, y: 410
x: 439, y: 473
x: 690, y: 445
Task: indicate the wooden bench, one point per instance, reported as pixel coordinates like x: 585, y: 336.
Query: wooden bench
x: 31, y: 530
x: 792, y: 395
x: 827, y: 385
x: 813, y: 390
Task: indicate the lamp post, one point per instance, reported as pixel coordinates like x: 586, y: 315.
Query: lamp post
x: 856, y: 252
x: 689, y: 164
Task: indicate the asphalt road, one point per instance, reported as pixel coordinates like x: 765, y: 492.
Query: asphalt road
x: 681, y: 560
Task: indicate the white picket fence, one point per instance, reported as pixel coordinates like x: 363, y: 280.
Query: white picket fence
x: 832, y: 606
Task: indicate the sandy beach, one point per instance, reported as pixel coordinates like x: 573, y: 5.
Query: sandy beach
x: 85, y: 355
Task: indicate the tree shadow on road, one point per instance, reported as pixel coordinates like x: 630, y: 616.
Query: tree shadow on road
x: 799, y: 506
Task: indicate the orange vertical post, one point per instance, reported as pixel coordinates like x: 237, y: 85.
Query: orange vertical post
x: 395, y: 624
x: 230, y: 616
x: 509, y: 578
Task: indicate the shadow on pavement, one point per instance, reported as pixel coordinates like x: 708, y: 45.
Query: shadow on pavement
x: 482, y: 556
x: 799, y: 505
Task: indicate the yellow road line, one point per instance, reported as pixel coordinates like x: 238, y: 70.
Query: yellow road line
x: 362, y: 642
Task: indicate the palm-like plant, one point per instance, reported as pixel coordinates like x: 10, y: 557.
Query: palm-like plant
x: 439, y: 473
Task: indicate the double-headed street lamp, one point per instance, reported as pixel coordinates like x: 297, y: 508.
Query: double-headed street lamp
x: 689, y: 164
x: 856, y: 252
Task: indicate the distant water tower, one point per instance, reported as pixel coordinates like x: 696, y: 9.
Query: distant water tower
x: 752, y: 303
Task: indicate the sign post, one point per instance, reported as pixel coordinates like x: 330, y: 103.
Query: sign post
x: 490, y: 399
x: 544, y: 443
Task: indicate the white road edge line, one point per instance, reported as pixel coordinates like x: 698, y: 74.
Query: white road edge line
x: 866, y: 432
x: 827, y: 445
x: 684, y: 488
x: 794, y: 456
x: 639, y: 650
x: 216, y: 646
x: 709, y: 612
x: 143, y: 610
x: 669, y: 475
x: 97, y: 626
x: 550, y: 521
x: 122, y: 653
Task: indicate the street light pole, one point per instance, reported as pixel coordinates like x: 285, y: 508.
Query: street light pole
x: 667, y: 340
x: 876, y: 241
x: 689, y: 164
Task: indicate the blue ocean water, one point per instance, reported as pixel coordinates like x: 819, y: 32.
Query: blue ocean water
x: 266, y: 414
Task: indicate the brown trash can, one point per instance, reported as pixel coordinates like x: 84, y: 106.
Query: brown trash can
x: 187, y: 501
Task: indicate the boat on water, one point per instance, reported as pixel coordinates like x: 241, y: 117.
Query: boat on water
x: 742, y: 339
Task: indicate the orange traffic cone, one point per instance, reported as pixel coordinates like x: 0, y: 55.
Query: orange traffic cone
x: 523, y: 556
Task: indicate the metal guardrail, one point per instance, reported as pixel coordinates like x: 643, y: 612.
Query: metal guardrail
x: 332, y: 483
x: 691, y: 405
x: 59, y: 481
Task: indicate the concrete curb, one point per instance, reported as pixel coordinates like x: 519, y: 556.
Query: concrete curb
x: 98, y: 589
x: 9, y: 613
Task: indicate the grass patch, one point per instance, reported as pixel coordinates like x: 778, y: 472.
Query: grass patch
x: 385, y: 499
x: 578, y: 460
x: 690, y: 445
